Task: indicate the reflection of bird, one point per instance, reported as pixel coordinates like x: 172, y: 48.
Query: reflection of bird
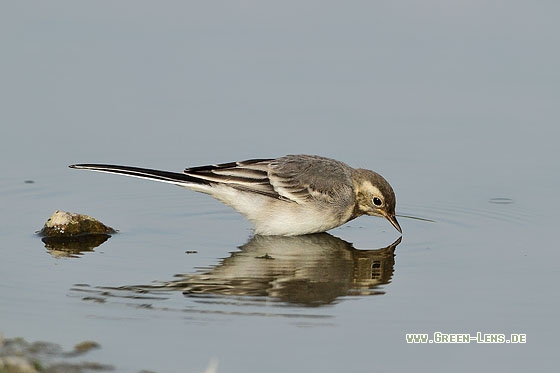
x: 310, y: 270
x: 292, y: 195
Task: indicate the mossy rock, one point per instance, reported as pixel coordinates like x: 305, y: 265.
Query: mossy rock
x: 67, y: 224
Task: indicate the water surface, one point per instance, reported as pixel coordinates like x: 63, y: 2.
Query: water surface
x: 455, y: 104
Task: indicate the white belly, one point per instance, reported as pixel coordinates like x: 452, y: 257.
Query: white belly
x: 277, y: 217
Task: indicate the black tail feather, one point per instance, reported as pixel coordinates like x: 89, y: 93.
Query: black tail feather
x: 145, y: 173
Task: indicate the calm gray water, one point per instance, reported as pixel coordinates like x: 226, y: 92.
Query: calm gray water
x: 455, y: 104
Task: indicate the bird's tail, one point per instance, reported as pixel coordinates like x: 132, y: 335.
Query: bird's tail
x: 176, y: 178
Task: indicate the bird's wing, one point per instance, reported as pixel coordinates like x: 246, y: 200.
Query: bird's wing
x: 301, y: 178
x: 295, y: 178
x: 250, y: 175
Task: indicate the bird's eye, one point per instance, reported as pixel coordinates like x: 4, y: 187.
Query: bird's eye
x: 377, y: 201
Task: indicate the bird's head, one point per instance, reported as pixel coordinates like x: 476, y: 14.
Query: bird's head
x: 375, y: 196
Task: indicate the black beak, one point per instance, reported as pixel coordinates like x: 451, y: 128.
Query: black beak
x: 393, y: 220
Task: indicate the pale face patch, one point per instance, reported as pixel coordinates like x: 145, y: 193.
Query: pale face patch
x: 373, y: 192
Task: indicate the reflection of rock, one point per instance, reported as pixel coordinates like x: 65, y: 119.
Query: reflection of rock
x: 73, y: 246
x: 309, y: 270
x: 66, y: 224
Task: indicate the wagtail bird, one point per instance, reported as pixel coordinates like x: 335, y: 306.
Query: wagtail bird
x: 287, y: 196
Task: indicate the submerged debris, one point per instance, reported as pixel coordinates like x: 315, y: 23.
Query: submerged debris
x: 501, y: 200
x: 19, y: 356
